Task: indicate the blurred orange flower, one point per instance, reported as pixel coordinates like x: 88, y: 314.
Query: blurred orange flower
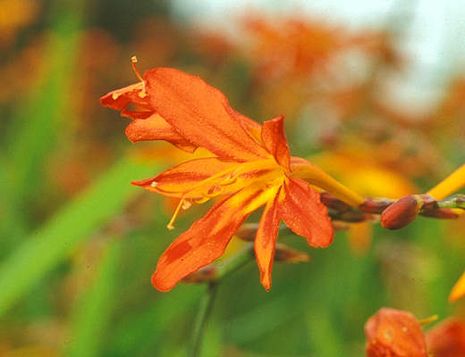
x: 447, y: 339
x: 250, y: 166
x: 292, y: 46
x: 394, y: 333
x: 15, y: 14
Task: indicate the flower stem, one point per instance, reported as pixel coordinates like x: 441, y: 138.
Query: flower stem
x: 201, y: 320
x: 234, y: 263
x: 456, y: 201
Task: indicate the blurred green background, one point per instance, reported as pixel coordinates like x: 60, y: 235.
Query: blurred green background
x: 78, y: 243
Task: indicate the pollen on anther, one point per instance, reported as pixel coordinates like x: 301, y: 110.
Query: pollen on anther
x: 186, y: 204
x: 154, y: 184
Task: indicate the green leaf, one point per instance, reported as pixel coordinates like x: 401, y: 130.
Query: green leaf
x: 92, y: 313
x: 40, y: 119
x: 56, y: 240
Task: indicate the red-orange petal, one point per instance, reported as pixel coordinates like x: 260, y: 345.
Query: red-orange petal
x: 156, y: 128
x: 394, y: 333
x: 119, y: 100
x: 458, y: 290
x: 305, y: 215
x: 204, y: 242
x: 265, y: 241
x: 275, y: 141
x: 201, y: 113
x: 447, y: 339
x: 183, y: 180
x: 250, y: 126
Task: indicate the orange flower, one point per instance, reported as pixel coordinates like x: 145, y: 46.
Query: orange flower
x: 447, y: 339
x: 292, y: 46
x: 394, y: 333
x: 250, y: 167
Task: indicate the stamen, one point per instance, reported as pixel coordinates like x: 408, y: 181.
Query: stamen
x: 134, y: 68
x: 134, y: 61
x: 428, y: 320
x: 186, y: 205
x: 170, y: 224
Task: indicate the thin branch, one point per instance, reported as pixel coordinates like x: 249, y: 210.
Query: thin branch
x: 201, y: 320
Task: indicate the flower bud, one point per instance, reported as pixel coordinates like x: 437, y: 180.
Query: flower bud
x: 374, y: 206
x: 205, y: 274
x: 247, y: 232
x: 286, y: 254
x: 400, y: 213
x: 442, y: 213
x: 333, y: 202
x: 394, y: 333
x: 447, y: 339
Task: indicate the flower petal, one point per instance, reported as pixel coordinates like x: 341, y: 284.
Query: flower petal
x: 275, y: 141
x: 305, y: 215
x: 156, y: 128
x: 447, y: 339
x: 204, y: 242
x: 452, y: 183
x: 458, y: 291
x: 265, y: 242
x: 251, y: 126
x: 394, y: 333
x: 190, y: 179
x: 119, y: 100
x: 201, y: 113
x: 303, y: 169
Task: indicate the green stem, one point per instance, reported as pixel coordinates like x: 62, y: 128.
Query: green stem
x: 235, y: 262
x: 202, y: 318
x: 456, y: 201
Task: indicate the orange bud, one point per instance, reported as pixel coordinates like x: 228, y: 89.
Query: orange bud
x: 400, y: 213
x: 288, y: 255
x: 205, y: 274
x: 447, y: 339
x: 332, y: 202
x: 394, y: 333
x: 374, y: 206
x: 443, y: 213
x: 247, y: 232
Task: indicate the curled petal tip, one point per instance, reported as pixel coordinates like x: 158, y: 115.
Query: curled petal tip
x: 159, y: 285
x: 266, y: 283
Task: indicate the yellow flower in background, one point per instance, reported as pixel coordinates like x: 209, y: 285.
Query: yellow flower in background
x: 15, y: 14
x: 452, y: 183
x: 458, y: 291
x: 360, y: 171
x: 367, y: 176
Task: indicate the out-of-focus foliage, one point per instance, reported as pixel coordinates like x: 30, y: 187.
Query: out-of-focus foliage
x: 78, y: 243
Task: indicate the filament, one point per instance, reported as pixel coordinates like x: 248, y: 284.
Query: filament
x: 134, y: 61
x: 170, y: 224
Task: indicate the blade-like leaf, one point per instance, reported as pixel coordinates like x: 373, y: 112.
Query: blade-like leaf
x: 39, y: 121
x: 56, y: 240
x: 93, y: 311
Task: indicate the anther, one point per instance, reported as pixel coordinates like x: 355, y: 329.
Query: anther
x: 154, y: 184
x: 186, y: 204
